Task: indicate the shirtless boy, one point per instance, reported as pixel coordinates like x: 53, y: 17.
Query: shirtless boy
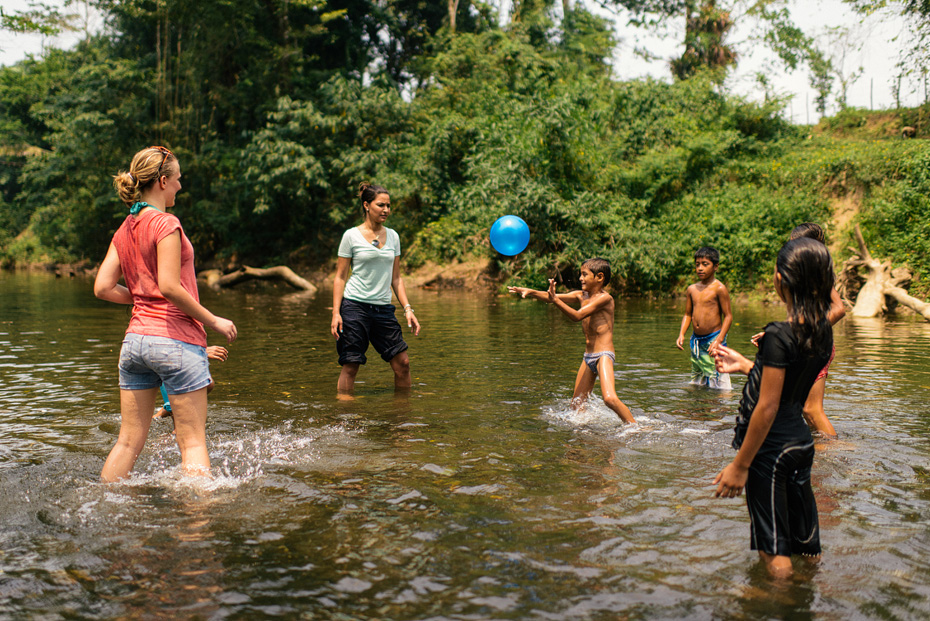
x: 708, y: 309
x: 596, y: 314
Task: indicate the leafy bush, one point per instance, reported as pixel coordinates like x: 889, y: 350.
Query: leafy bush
x: 897, y: 220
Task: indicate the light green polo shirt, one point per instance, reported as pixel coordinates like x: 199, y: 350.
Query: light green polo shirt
x: 372, y: 268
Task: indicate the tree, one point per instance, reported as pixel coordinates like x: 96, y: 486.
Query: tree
x: 821, y: 78
x: 706, y: 29
x: 915, y: 59
x: 38, y: 18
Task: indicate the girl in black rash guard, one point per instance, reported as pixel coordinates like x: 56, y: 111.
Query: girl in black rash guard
x: 775, y: 449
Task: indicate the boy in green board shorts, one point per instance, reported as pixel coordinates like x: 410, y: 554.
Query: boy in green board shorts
x: 708, y: 309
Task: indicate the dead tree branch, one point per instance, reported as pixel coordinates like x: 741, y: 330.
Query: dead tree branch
x: 282, y: 273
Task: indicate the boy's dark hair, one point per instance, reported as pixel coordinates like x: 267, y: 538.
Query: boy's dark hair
x: 706, y: 252
x: 809, y: 229
x: 597, y: 265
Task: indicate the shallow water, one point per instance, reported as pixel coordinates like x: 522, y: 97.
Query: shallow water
x: 480, y: 496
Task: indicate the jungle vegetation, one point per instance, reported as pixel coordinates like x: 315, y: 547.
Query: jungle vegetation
x: 277, y: 109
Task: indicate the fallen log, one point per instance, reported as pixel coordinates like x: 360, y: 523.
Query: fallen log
x: 902, y: 297
x: 282, y: 273
x: 881, y: 282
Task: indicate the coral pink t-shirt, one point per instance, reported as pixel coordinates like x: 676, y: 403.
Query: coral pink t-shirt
x: 152, y: 314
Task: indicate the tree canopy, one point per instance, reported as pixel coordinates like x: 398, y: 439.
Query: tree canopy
x: 278, y: 109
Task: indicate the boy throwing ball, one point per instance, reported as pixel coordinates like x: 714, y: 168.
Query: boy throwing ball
x: 596, y: 314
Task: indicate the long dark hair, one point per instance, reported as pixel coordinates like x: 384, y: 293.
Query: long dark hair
x: 806, y: 271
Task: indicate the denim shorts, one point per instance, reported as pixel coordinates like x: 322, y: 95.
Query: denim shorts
x: 364, y: 323
x: 147, y: 362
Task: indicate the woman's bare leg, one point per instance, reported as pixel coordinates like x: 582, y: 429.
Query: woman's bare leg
x: 401, y: 367
x: 136, y: 416
x: 190, y: 427
x: 346, y: 383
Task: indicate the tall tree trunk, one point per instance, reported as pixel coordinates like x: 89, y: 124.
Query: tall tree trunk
x: 453, y: 9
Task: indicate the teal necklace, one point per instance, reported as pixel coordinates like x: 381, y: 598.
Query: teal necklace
x: 137, y: 207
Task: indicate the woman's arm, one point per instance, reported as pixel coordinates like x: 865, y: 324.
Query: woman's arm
x: 106, y: 285
x: 169, y: 283
x: 732, y: 479
x: 397, y: 283
x: 339, y: 289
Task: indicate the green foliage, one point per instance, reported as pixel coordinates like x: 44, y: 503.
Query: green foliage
x: 898, y: 219
x: 38, y: 18
x: 275, y: 127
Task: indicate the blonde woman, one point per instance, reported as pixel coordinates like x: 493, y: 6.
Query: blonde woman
x: 165, y: 342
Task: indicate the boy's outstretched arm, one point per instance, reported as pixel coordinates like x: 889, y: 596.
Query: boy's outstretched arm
x: 541, y: 295
x: 596, y: 304
x: 685, y: 321
x: 726, y: 318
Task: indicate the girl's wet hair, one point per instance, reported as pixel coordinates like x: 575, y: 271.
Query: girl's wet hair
x: 369, y: 191
x: 806, y: 271
x: 809, y: 229
x: 597, y: 265
x: 146, y: 167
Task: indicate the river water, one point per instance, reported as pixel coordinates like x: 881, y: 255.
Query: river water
x: 479, y: 496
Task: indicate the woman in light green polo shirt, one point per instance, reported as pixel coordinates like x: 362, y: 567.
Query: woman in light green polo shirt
x: 362, y: 309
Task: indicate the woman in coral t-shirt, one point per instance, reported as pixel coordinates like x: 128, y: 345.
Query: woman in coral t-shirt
x: 165, y: 342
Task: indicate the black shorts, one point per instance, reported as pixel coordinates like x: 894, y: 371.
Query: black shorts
x: 782, y: 509
x: 368, y: 323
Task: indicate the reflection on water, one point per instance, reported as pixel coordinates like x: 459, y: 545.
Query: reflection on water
x: 481, y: 495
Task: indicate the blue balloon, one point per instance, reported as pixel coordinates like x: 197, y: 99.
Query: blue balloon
x: 510, y: 235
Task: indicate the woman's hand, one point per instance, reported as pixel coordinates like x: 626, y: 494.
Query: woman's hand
x: 225, y: 327
x: 731, y: 481
x: 412, y: 321
x: 523, y: 291
x: 336, y: 326
x: 731, y: 361
x: 755, y: 338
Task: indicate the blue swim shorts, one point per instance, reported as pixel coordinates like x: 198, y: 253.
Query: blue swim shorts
x: 147, y: 362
